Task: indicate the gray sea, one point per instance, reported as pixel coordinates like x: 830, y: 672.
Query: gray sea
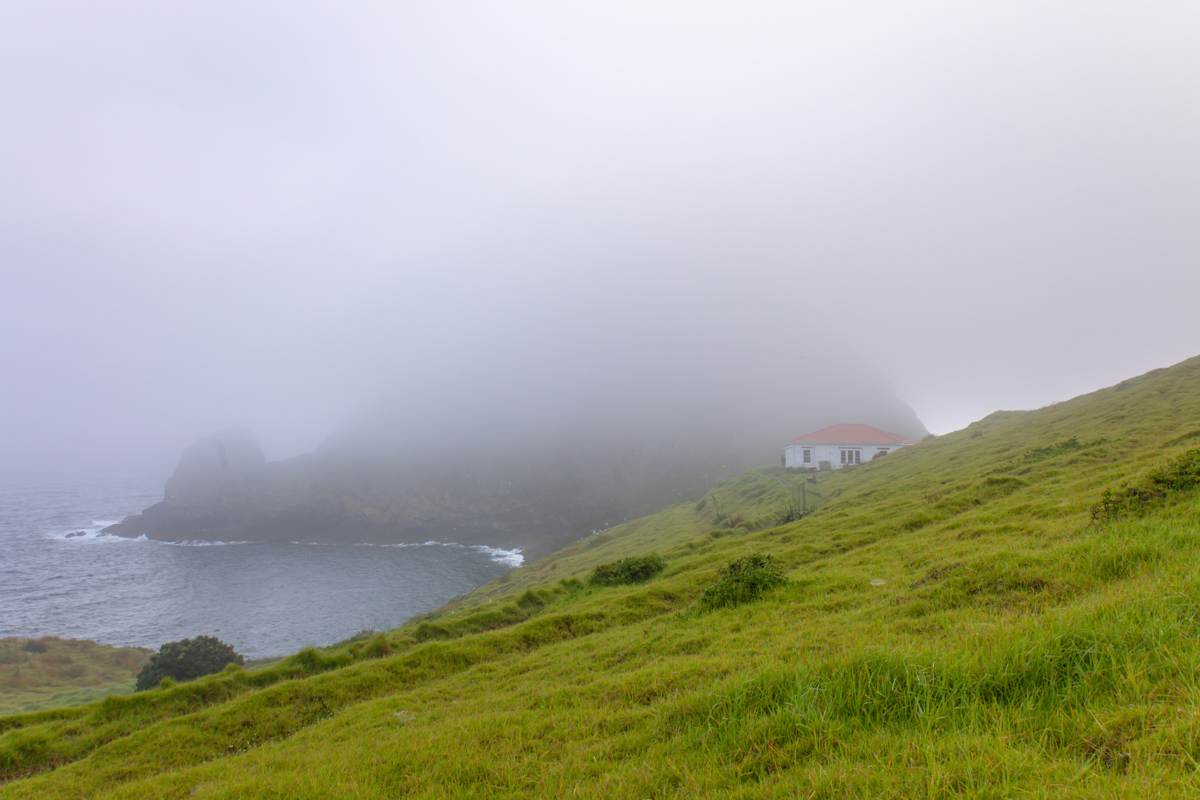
x: 59, y: 575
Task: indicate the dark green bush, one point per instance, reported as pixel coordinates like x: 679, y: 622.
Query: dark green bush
x: 635, y: 569
x: 187, y: 660
x: 1180, y: 475
x: 742, y: 581
x: 791, y: 514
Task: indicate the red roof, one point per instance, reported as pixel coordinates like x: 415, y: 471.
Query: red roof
x: 851, y: 434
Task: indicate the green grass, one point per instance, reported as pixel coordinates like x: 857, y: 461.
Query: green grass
x: 51, y: 672
x: 953, y: 621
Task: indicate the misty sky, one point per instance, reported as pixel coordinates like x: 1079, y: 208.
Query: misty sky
x: 264, y: 213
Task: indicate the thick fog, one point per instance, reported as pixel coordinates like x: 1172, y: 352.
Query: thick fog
x: 526, y: 216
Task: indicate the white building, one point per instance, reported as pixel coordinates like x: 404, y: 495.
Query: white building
x: 840, y: 446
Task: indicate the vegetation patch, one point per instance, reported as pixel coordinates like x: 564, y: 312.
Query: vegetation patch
x: 792, y: 513
x: 1052, y: 450
x: 1187, y: 437
x: 635, y: 569
x: 1180, y: 475
x: 744, y: 580
x: 721, y: 533
x: 187, y: 660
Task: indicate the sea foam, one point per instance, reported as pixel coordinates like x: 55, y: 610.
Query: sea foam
x: 511, y: 558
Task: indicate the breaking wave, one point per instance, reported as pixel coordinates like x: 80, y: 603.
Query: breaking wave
x: 512, y: 558
x: 91, y: 532
x: 95, y: 533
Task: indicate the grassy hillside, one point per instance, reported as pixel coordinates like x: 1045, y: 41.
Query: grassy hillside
x: 971, y: 616
x: 50, y: 672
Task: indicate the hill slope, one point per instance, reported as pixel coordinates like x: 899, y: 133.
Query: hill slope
x: 960, y: 618
x: 49, y: 672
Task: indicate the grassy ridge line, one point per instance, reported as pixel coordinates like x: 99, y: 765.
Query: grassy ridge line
x: 954, y: 624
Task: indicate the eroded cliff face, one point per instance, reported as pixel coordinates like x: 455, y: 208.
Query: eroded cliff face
x: 224, y: 489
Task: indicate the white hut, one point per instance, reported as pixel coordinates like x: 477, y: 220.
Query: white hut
x: 840, y: 446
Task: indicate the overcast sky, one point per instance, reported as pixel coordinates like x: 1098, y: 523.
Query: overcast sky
x: 263, y: 212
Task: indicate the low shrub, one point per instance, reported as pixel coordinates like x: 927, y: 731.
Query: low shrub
x: 742, y: 581
x: 1180, y: 475
x: 1117, y: 502
x: 187, y: 660
x: 791, y: 514
x: 635, y: 569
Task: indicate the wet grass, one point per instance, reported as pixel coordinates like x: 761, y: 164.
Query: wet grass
x: 49, y: 672
x: 951, y: 621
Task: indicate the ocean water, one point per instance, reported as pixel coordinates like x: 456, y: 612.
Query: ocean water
x: 59, y: 575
